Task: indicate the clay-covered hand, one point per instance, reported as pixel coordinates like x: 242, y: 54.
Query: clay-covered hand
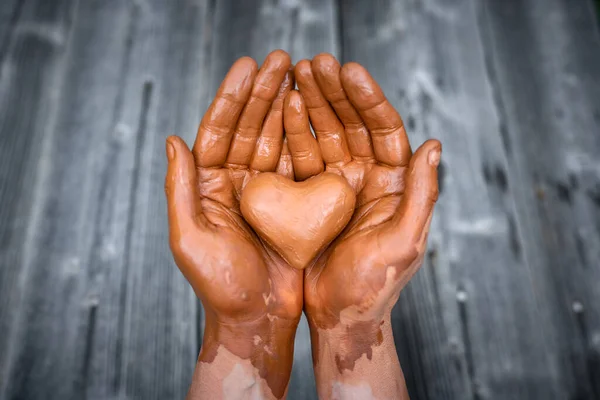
x: 252, y: 299
x: 350, y: 289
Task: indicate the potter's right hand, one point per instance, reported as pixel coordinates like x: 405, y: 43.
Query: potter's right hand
x: 252, y: 299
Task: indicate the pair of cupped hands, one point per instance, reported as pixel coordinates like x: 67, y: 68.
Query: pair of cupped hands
x: 266, y: 220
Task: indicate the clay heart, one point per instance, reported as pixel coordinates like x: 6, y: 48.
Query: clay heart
x: 298, y: 219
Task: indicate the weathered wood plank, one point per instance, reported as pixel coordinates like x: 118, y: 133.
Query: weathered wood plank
x: 10, y: 12
x: 34, y: 41
x: 109, y: 211
x: 254, y: 28
x: 108, y: 96
x: 145, y: 341
x: 549, y: 97
x: 468, y: 325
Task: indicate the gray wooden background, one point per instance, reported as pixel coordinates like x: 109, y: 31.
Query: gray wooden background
x: 507, y: 305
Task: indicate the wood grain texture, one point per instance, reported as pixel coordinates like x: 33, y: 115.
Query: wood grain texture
x: 507, y: 303
x: 32, y: 327
x: 144, y: 342
x: 10, y: 13
x: 548, y: 97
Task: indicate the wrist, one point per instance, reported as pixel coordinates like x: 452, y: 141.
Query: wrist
x: 256, y: 354
x: 348, y: 340
x: 357, y: 358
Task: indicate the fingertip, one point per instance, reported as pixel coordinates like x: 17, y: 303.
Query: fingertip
x: 170, y: 148
x: 352, y: 70
x: 308, y: 86
x: 295, y: 116
x: 240, y: 75
x: 294, y: 101
x: 245, y: 63
x: 431, y: 144
x: 284, y: 89
x: 325, y: 64
x: 288, y: 81
x: 431, y: 151
x: 363, y: 91
x: 174, y: 140
x: 435, y: 154
x: 279, y: 59
x: 423, y: 178
x: 175, y: 145
x: 303, y: 69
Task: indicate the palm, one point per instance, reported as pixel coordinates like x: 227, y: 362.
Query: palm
x: 261, y: 270
x: 235, y: 275
x: 332, y: 284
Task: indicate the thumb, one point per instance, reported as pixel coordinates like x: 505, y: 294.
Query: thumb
x: 413, y: 217
x: 181, y: 184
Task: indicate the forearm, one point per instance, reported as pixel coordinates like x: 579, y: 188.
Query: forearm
x: 252, y: 362
x: 357, y: 361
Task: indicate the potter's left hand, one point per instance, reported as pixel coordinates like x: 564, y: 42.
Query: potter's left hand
x: 350, y: 290
x: 252, y: 299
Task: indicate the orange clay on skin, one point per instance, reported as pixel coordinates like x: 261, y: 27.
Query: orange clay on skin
x: 252, y: 295
x: 351, y: 288
x: 252, y: 298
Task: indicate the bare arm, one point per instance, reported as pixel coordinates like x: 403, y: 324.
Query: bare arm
x: 343, y: 371
x: 245, y: 362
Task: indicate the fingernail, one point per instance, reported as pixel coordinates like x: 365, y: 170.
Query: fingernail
x: 433, y: 158
x: 170, y: 151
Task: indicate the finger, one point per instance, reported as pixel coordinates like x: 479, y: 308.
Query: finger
x: 265, y: 89
x: 327, y: 126
x: 411, y: 221
x: 306, y: 155
x: 268, y: 146
x: 390, y: 143
x: 326, y: 70
x: 181, y: 184
x: 284, y: 165
x: 216, y: 129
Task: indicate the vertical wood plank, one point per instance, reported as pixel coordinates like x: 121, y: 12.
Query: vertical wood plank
x: 35, y: 40
x: 10, y: 13
x: 145, y: 341
x: 549, y: 95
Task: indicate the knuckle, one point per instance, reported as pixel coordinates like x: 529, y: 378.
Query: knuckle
x: 234, y: 97
x: 179, y: 244
x: 247, y: 134
x: 387, y: 130
x: 301, y: 155
x: 332, y: 134
x: 434, y: 194
x: 409, y: 253
x: 168, y: 186
x: 263, y: 92
x: 337, y: 97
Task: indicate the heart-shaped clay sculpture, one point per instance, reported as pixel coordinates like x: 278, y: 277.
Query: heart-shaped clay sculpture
x: 298, y: 219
